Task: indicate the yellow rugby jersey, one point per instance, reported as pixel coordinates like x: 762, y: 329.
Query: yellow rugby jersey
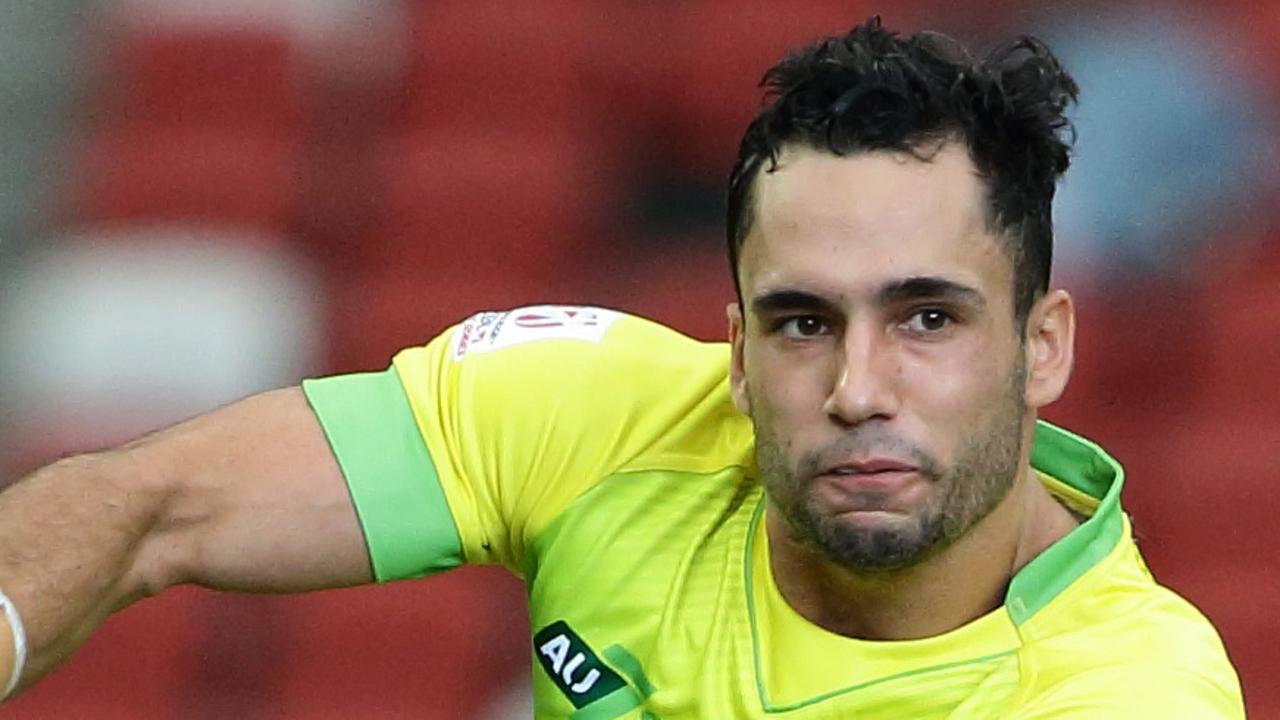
x: 600, y: 457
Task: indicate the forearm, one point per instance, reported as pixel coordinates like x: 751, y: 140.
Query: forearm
x: 72, y: 541
x: 248, y: 497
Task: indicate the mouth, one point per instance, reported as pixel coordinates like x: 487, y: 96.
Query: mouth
x: 870, y: 467
x: 872, y: 484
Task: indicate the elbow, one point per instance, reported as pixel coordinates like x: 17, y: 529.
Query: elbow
x: 143, y: 495
x: 158, y: 563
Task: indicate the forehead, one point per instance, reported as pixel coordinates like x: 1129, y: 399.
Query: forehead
x: 851, y: 224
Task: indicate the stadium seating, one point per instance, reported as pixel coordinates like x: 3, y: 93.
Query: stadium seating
x: 192, y: 123
x: 495, y: 64
x: 1240, y: 302
x: 381, y: 310
x: 404, y: 650
x: 681, y: 281
x: 209, y: 175
x: 723, y: 50
x: 502, y: 199
x: 238, y: 76
x: 1208, y: 493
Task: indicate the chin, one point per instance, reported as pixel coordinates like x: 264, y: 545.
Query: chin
x: 872, y: 541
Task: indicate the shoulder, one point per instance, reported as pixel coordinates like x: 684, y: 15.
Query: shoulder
x: 1118, y: 641
x: 587, y: 376
x: 1143, y: 690
x: 524, y: 411
x: 569, y: 329
x: 573, y: 345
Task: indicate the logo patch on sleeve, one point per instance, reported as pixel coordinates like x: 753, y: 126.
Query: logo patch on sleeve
x: 489, y: 331
x: 573, y: 666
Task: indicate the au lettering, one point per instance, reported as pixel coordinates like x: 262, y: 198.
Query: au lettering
x: 557, y: 650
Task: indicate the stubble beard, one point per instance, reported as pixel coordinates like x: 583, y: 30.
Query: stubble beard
x: 961, y: 495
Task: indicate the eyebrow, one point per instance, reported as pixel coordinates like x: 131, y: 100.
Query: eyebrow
x: 927, y: 287
x: 924, y: 287
x: 788, y: 300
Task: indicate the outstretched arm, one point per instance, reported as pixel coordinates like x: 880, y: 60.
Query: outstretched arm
x: 248, y: 497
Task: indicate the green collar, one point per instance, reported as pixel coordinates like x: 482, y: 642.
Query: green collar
x: 1083, y: 465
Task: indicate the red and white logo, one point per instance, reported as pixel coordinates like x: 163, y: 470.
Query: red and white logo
x: 489, y: 331
x: 552, y: 316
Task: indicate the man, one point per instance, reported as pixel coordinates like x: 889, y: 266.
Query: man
x: 849, y: 511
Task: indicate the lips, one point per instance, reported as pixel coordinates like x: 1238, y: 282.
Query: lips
x: 875, y: 484
x: 870, y: 466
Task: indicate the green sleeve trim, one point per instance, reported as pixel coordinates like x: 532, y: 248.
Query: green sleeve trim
x: 394, y: 486
x: 1083, y: 465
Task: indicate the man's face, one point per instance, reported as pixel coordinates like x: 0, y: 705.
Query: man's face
x: 877, y: 353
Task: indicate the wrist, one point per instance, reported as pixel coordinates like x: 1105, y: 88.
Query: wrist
x: 13, y: 647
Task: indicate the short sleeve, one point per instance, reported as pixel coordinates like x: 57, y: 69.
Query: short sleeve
x: 392, y: 478
x: 489, y: 431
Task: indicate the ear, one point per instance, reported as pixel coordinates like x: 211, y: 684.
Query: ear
x: 1049, y: 347
x: 737, y: 371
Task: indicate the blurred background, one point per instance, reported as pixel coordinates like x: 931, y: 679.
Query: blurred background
x: 203, y: 200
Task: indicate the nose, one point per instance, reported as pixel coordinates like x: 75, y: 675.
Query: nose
x: 865, y: 379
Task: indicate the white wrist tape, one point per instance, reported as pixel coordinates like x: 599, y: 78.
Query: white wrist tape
x: 19, y: 643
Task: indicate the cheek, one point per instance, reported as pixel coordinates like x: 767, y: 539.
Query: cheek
x: 953, y: 387
x: 786, y: 391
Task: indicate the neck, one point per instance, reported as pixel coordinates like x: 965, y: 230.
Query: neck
x: 956, y: 586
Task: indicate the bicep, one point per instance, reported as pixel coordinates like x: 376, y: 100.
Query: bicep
x: 259, y: 502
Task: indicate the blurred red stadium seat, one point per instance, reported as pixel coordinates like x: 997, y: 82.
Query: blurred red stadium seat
x: 437, y: 649
x: 1140, y: 358
x: 1211, y: 490
x: 487, y: 197
x: 725, y: 48
x: 380, y: 310
x: 218, y: 175
x: 201, y: 76
x: 681, y: 281
x: 631, y: 71
x: 1242, y: 305
x: 496, y: 64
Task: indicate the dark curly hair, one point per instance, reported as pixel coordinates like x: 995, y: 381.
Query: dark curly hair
x: 873, y: 89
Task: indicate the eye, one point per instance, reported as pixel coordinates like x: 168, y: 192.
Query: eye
x: 803, y: 326
x: 928, y: 321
